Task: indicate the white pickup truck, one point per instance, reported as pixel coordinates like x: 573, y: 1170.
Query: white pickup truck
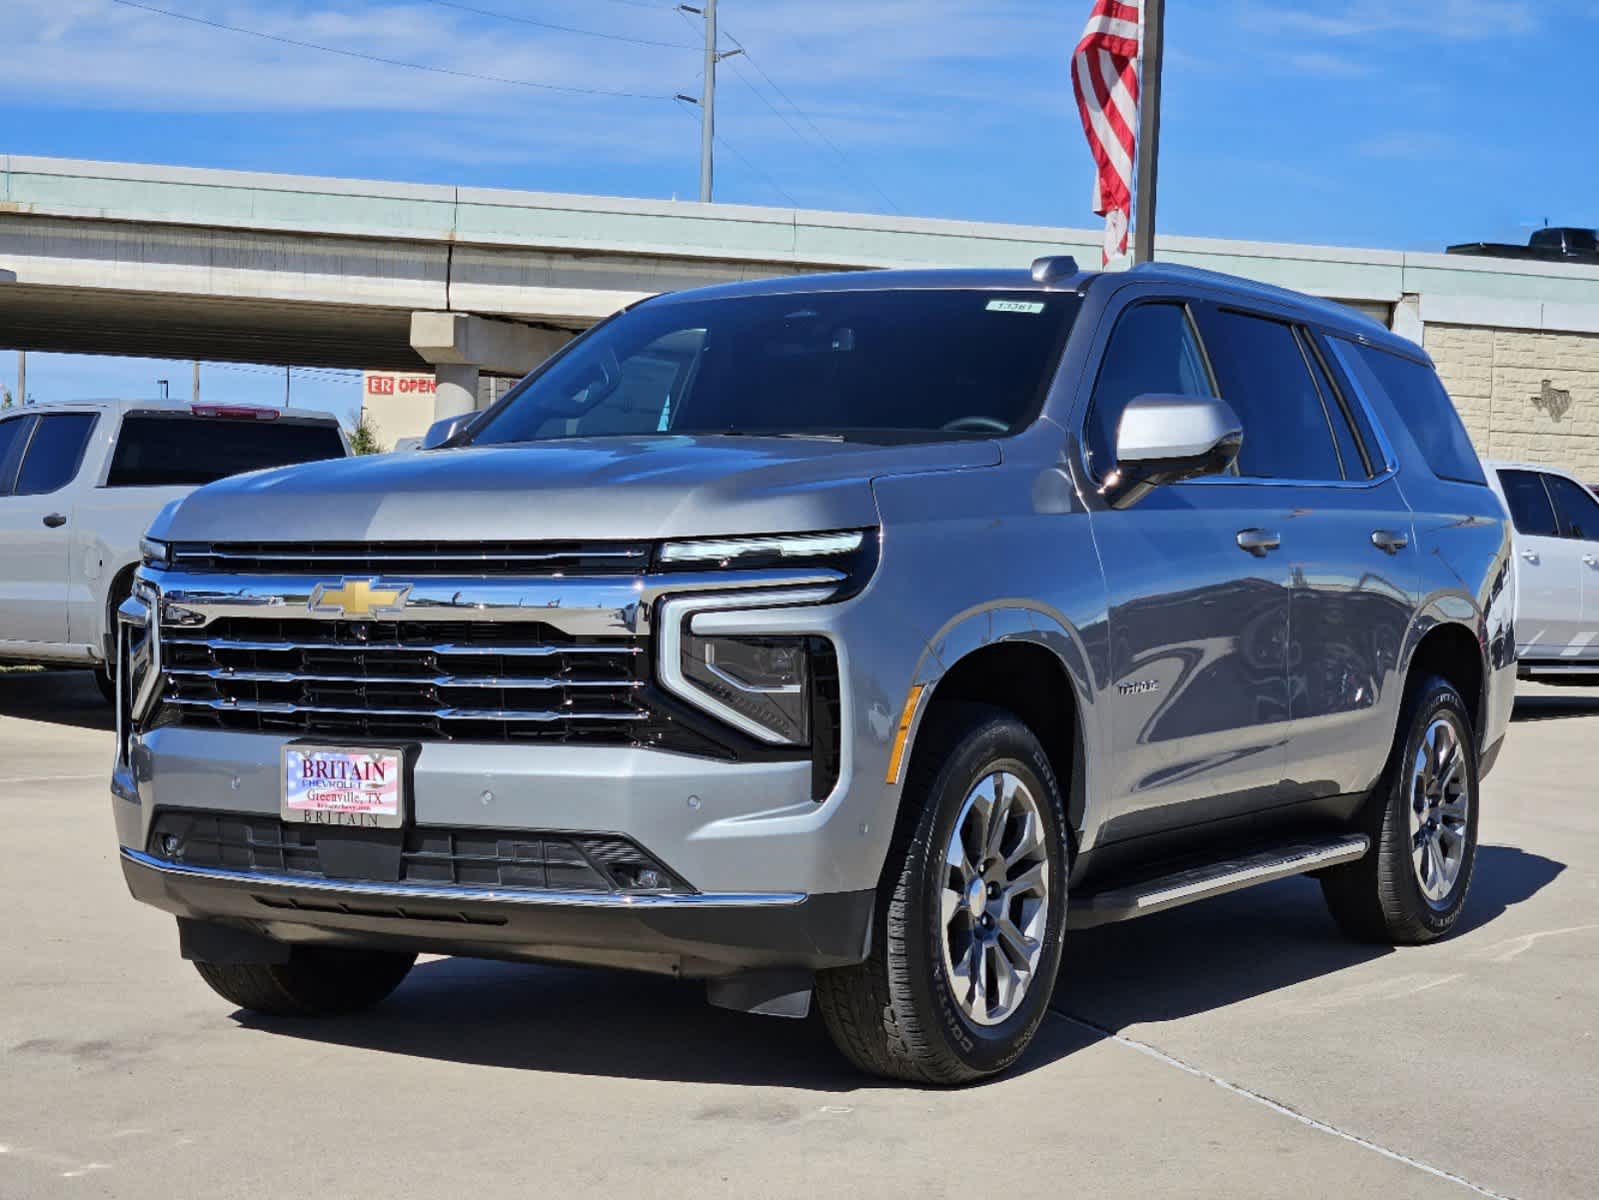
x: 1556, y: 538
x: 81, y: 482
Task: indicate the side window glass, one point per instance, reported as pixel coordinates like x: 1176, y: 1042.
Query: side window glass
x: 11, y: 440
x: 1429, y: 415
x: 1529, y: 503
x: 1349, y: 449
x: 1264, y: 377
x: 54, y: 454
x: 1153, y: 351
x: 1576, y: 507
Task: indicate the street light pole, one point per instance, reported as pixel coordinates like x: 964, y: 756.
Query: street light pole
x: 1154, y: 47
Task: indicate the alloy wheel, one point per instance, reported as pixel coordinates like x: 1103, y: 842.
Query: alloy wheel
x: 994, y: 907
x: 1440, y: 806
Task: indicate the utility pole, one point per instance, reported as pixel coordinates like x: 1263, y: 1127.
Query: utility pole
x: 707, y: 101
x: 194, y: 388
x: 22, y: 376
x: 1154, y: 46
x: 286, y: 371
x: 708, y: 106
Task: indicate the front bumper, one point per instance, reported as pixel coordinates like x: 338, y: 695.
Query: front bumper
x: 703, y: 935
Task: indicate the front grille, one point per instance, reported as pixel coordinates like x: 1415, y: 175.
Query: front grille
x: 409, y: 680
x: 522, y: 860
x: 415, y: 559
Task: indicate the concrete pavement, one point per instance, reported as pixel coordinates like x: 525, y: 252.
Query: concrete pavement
x: 1235, y: 1048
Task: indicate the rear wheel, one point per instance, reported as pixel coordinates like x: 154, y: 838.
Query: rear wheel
x: 107, y: 683
x: 317, y: 981
x: 1412, y: 885
x: 971, y: 913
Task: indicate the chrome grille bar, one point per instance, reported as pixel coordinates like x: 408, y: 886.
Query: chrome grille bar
x: 543, y: 651
x: 284, y: 708
x: 227, y: 674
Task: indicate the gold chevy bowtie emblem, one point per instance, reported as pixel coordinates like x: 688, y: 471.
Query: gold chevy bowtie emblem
x: 358, y: 597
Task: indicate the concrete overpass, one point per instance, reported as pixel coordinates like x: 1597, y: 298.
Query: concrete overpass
x: 227, y: 266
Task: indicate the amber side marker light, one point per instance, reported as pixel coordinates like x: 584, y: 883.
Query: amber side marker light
x: 897, y: 754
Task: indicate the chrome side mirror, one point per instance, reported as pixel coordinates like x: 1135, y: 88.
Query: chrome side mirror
x: 443, y: 430
x: 1165, y: 439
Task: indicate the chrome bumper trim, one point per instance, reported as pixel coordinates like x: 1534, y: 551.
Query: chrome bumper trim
x: 454, y: 893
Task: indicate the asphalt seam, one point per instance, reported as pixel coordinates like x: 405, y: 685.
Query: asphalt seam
x: 1280, y: 1108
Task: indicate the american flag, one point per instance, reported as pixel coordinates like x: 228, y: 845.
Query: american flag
x: 1105, y: 78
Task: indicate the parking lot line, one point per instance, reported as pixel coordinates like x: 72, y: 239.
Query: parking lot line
x: 54, y: 778
x: 1280, y: 1108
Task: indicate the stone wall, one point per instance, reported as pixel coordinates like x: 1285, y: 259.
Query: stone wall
x: 1525, y: 396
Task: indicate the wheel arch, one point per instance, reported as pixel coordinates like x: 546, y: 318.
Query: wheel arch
x: 1453, y: 651
x: 1022, y: 658
x: 120, y: 586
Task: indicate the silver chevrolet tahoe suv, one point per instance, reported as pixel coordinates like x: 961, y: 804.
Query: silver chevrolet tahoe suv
x: 847, y: 637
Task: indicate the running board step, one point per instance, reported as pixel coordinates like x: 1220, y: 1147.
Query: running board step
x: 1213, y: 879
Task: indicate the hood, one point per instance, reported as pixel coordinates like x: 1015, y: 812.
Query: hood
x: 591, y: 488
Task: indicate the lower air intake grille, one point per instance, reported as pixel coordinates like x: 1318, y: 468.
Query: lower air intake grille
x: 521, y: 860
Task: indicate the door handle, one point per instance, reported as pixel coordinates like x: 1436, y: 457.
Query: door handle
x: 1258, y: 542
x: 1389, y: 541
x: 1530, y: 555
x: 55, y: 520
x: 1590, y: 560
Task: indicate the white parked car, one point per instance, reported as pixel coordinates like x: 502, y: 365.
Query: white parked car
x: 81, y: 482
x: 1556, y: 519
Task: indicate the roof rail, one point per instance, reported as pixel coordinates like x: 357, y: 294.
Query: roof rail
x: 1053, y: 268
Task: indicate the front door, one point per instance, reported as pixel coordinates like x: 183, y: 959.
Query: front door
x: 43, y: 456
x: 1548, y: 570
x: 1578, y: 513
x: 1198, y: 624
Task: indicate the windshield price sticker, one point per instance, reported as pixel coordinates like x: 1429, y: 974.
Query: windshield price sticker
x: 358, y: 789
x: 1016, y: 306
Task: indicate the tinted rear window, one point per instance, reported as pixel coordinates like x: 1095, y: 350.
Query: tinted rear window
x: 159, y: 451
x: 1529, y: 503
x: 894, y: 365
x: 1422, y: 404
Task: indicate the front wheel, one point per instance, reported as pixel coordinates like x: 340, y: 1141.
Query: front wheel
x: 1411, y: 887
x: 966, y: 942
x: 317, y: 981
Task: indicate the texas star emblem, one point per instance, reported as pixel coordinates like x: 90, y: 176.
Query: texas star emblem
x: 358, y: 597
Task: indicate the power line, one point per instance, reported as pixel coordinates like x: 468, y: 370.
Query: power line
x: 389, y: 62
x: 804, y: 116
x: 593, y: 33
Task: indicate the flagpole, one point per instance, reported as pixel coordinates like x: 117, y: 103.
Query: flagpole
x: 1154, y: 14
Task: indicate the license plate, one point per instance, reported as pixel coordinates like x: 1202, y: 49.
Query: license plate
x: 353, y: 788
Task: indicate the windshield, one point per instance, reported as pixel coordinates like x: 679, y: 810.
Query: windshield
x: 871, y: 365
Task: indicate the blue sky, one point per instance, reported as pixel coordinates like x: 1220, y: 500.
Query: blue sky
x: 1362, y: 122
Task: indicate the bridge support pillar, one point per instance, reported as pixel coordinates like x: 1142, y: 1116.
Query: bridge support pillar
x: 457, y: 389
x: 461, y: 347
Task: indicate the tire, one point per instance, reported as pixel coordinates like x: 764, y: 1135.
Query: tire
x: 1383, y: 897
x: 106, y: 682
x: 904, y: 1013
x: 316, y: 981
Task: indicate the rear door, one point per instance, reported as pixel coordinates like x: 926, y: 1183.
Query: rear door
x: 1198, y: 625
x: 1548, y: 569
x: 1578, y: 513
x: 36, y: 525
x: 1346, y: 547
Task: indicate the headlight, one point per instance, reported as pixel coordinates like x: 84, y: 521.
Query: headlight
x: 755, y: 551
x: 762, y: 681
x: 155, y: 553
